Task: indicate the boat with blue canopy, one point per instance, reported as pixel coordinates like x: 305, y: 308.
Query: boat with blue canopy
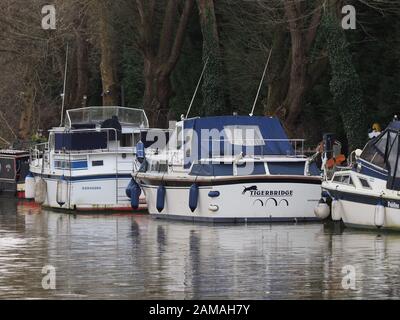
x: 228, y: 169
x: 367, y: 193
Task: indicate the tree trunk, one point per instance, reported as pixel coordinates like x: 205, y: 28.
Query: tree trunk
x: 302, y: 35
x: 107, y: 64
x: 82, y: 68
x: 25, y: 122
x: 159, y: 64
x: 278, y: 74
x: 157, y: 93
x: 213, y: 93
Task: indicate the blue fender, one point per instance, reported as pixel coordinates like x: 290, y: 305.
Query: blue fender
x: 193, y: 197
x: 140, y: 151
x: 135, y: 195
x: 129, y: 188
x: 160, y: 198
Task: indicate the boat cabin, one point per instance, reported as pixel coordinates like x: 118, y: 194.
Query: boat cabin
x: 14, y: 166
x: 232, y: 145
x: 380, y: 157
x: 93, y: 139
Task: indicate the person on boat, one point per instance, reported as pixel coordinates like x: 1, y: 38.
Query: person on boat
x: 376, y: 131
x: 330, y: 154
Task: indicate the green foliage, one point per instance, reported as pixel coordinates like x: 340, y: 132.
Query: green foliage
x: 186, y: 74
x: 132, y: 77
x: 213, y: 85
x: 345, y: 84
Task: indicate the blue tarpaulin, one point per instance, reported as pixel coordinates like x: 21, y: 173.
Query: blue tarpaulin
x: 269, y: 127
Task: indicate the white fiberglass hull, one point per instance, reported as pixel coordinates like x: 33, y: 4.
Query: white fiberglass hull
x: 95, y: 194
x: 239, y: 202
x: 360, y: 210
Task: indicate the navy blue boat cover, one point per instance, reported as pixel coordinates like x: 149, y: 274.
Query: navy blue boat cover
x: 269, y: 127
x: 383, y: 151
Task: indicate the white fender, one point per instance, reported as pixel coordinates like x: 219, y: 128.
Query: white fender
x: 322, y: 210
x: 62, y: 191
x: 30, y: 186
x: 40, y: 191
x: 379, y: 215
x: 336, y: 210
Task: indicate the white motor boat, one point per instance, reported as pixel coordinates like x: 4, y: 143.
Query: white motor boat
x: 87, y: 164
x: 367, y: 194
x: 228, y: 169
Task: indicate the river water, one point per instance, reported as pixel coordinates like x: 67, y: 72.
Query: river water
x: 137, y: 257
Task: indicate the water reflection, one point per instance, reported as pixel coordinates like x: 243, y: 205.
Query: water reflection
x: 136, y: 257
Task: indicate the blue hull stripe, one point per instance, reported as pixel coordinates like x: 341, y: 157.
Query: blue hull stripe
x: 230, y: 220
x: 371, y: 171
x: 86, y: 178
x: 358, y: 198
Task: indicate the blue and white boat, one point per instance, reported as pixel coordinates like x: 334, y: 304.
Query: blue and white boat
x: 367, y: 194
x: 87, y: 164
x: 229, y: 169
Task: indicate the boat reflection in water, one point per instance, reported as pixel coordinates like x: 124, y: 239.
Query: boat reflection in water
x: 136, y: 257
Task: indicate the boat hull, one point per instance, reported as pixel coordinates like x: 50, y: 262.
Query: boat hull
x: 262, y: 201
x: 359, y: 211
x: 95, y: 194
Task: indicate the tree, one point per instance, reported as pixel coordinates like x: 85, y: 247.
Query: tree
x: 345, y: 84
x: 108, y: 56
x: 213, y: 87
x: 160, y: 53
x: 303, y: 31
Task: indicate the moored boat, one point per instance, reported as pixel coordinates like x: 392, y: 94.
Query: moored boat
x: 229, y: 169
x: 367, y: 194
x: 14, y: 167
x: 86, y: 164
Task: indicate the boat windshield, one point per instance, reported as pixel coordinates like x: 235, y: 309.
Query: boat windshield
x: 96, y: 115
x: 383, y: 152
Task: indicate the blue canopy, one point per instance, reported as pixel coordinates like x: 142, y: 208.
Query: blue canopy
x: 384, y: 152
x: 269, y: 137
x: 394, y: 125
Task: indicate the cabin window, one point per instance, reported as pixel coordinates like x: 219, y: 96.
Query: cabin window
x: 374, y: 152
x: 249, y: 168
x: 337, y: 178
x: 159, y: 167
x: 347, y: 180
x: 244, y: 135
x: 364, y: 183
x: 314, y: 170
x: 209, y: 169
x: 126, y: 140
x: 344, y: 179
x: 61, y: 164
x: 97, y: 163
x: 287, y: 168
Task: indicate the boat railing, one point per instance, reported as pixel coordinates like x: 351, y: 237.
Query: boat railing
x: 44, y: 150
x: 39, y: 151
x: 285, y: 147
x: 127, y: 116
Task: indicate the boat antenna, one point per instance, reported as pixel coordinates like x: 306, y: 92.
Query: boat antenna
x: 197, y: 88
x: 261, y: 82
x: 64, y: 87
